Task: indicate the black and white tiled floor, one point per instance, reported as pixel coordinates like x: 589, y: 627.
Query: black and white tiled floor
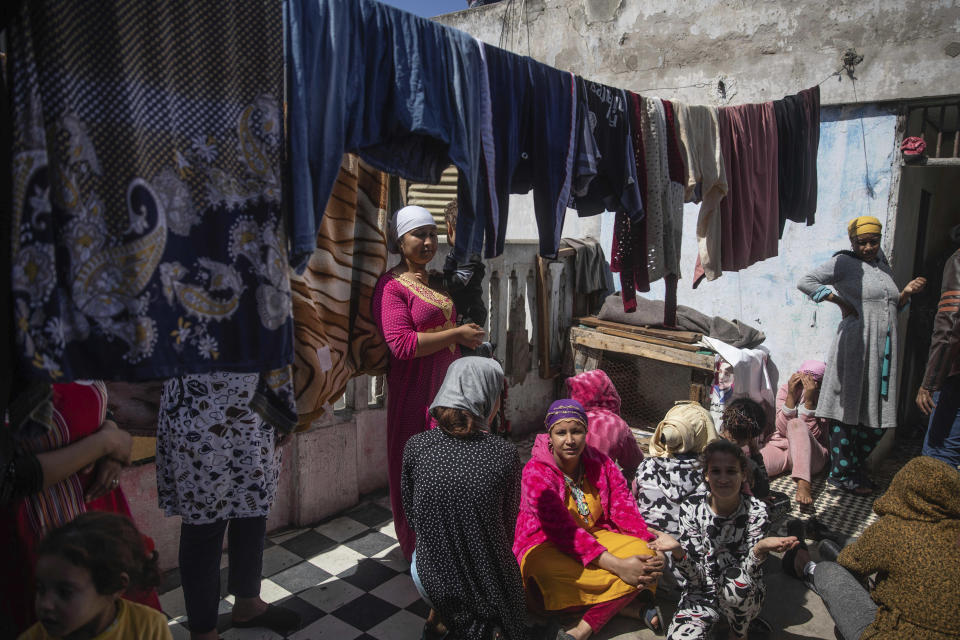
x: 348, y: 580
x: 346, y: 577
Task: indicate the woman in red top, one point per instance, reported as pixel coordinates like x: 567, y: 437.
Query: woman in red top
x: 419, y: 324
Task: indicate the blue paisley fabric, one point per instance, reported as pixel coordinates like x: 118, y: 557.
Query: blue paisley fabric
x: 148, y: 240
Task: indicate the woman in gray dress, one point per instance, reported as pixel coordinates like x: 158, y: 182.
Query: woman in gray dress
x: 858, y: 393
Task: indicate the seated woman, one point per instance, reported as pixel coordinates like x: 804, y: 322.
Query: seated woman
x: 672, y: 472
x: 608, y: 432
x: 798, y: 444
x: 914, y: 550
x: 580, y: 540
x: 461, y: 493
x: 720, y: 550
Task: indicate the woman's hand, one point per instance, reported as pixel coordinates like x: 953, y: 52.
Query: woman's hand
x: 470, y: 335
x: 914, y: 286
x: 107, y: 479
x: 794, y: 387
x: 666, y: 543
x: 119, y: 443
x: 766, y: 545
x: 846, y: 309
x: 639, y: 571
x: 811, y: 390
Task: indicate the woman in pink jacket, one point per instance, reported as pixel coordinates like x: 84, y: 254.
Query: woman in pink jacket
x: 799, y: 442
x: 580, y: 540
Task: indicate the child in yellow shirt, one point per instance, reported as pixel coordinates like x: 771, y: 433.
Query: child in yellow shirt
x: 83, y: 569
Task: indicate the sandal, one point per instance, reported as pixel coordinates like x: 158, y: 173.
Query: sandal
x: 278, y: 619
x: 432, y: 632
x: 795, y: 528
x: 850, y: 485
x: 649, y: 613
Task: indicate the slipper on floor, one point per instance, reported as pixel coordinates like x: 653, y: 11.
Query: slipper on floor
x: 431, y: 632
x: 829, y: 550
x: 850, y: 486
x: 648, y: 615
x: 278, y: 619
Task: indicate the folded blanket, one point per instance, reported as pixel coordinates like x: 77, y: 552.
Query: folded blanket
x: 649, y: 313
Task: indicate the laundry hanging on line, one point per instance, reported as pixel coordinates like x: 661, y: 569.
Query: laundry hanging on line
x: 148, y: 239
x: 335, y: 337
x: 410, y: 96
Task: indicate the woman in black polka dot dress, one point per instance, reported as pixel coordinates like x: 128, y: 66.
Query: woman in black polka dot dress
x: 461, y: 495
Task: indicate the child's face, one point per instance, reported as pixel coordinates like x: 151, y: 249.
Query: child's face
x: 67, y: 601
x: 724, y: 475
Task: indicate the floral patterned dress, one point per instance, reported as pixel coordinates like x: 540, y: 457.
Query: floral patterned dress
x: 403, y: 307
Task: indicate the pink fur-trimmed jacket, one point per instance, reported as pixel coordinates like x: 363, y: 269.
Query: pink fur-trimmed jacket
x: 543, y: 505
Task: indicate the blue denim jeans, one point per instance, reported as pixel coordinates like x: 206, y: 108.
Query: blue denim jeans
x: 533, y: 124
x: 402, y: 91
x: 416, y: 580
x: 943, y: 432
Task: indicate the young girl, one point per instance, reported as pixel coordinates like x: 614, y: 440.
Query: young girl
x: 742, y: 422
x: 721, y: 549
x: 83, y: 569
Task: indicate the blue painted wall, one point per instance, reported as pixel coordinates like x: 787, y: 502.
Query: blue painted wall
x: 855, y: 165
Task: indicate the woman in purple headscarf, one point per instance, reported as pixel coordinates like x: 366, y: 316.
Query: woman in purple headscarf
x: 580, y: 540
x: 799, y: 443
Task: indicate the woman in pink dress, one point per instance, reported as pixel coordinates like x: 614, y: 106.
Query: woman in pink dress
x: 419, y: 324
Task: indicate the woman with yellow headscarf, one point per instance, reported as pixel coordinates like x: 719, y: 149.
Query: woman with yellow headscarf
x: 858, y: 392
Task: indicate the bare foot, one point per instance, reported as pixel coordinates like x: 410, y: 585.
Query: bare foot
x: 804, y: 494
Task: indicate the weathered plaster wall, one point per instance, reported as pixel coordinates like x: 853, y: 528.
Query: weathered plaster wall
x: 856, y: 148
x: 760, y: 50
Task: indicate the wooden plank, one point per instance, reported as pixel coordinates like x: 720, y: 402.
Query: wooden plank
x: 651, y: 339
x: 597, y: 340
x: 543, y: 319
x: 688, y: 337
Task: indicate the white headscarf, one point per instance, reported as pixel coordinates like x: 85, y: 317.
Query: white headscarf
x: 406, y: 220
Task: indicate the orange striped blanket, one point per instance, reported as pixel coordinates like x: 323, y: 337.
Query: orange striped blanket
x: 335, y: 338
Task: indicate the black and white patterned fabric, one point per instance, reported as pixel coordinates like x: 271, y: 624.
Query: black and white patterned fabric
x: 216, y: 458
x: 462, y: 496
x: 723, y: 577
x: 660, y: 487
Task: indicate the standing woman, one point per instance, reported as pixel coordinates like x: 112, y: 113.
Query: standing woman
x: 418, y: 323
x: 858, y: 392
x: 218, y: 464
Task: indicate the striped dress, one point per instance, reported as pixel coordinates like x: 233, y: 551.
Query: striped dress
x: 79, y: 408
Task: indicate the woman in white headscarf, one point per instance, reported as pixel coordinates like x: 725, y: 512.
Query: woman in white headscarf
x: 418, y: 323
x: 673, y: 471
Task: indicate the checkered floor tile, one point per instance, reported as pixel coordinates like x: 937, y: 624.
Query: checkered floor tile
x: 842, y: 512
x: 345, y: 577
x: 348, y: 580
